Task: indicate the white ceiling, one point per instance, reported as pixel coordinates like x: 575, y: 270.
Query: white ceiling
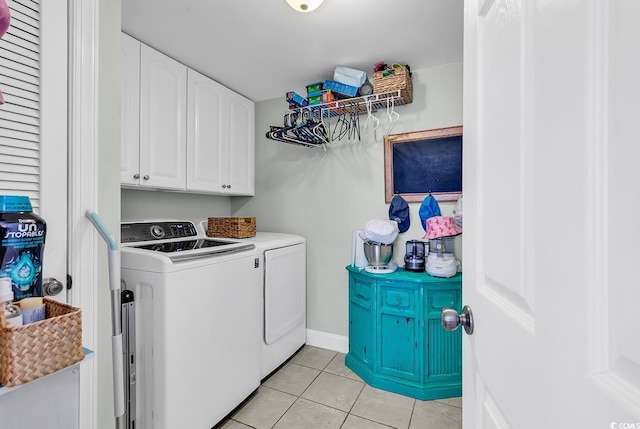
x: 263, y: 48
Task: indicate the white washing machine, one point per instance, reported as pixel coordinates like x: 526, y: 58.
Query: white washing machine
x: 283, y: 260
x: 197, y: 308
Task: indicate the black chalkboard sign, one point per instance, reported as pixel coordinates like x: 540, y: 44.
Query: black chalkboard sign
x: 422, y: 163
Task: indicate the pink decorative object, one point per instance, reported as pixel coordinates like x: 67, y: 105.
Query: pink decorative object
x: 5, y: 20
x: 5, y: 17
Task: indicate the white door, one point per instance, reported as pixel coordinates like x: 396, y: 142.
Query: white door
x: 54, y: 119
x: 551, y: 153
x: 241, y: 145
x: 163, y: 112
x: 33, y: 120
x: 284, y: 291
x: 130, y: 113
x: 205, y: 134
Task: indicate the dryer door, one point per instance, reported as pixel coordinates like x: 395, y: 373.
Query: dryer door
x: 284, y: 290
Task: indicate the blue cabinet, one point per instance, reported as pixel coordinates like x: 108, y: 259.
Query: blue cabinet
x: 396, y: 342
x: 361, y: 308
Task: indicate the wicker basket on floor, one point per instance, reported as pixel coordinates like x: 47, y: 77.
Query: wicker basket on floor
x: 400, y: 80
x: 231, y: 227
x: 40, y: 348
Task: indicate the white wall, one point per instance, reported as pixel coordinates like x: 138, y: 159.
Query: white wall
x: 108, y: 197
x: 323, y: 197
x: 139, y: 205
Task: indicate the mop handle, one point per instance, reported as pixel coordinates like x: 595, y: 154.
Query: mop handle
x: 116, y: 327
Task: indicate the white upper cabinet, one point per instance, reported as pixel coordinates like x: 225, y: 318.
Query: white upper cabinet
x: 182, y: 130
x: 153, y: 118
x: 163, y: 120
x: 130, y: 99
x: 241, y: 146
x: 206, y: 133
x: 220, y: 139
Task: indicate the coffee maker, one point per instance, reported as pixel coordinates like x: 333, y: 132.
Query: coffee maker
x: 414, y: 257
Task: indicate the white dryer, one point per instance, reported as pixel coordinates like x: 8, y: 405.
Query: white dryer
x: 283, y: 260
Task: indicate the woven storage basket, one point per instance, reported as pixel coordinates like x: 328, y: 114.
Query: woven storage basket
x: 400, y: 80
x: 231, y: 227
x: 37, y: 349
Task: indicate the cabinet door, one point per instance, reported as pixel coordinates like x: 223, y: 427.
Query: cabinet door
x: 400, y: 352
x: 241, y: 145
x: 443, y: 349
x: 361, y: 318
x: 206, y: 168
x: 163, y: 136
x: 130, y: 110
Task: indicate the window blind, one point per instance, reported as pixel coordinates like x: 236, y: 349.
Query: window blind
x: 20, y: 115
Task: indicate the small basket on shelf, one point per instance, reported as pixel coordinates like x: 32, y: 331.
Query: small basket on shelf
x: 231, y: 227
x: 399, y: 80
x: 40, y: 348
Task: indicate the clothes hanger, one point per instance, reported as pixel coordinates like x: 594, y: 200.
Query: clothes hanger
x: 392, y: 115
x: 371, y: 122
x: 354, y: 121
x: 344, y: 126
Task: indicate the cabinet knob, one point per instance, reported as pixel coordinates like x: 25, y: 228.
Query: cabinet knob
x: 146, y: 177
x: 228, y: 186
x: 450, y: 319
x: 136, y: 176
x: 224, y: 186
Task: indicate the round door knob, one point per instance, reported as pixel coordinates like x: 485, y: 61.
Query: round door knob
x: 450, y: 319
x: 51, y: 286
x: 146, y: 177
x: 136, y: 176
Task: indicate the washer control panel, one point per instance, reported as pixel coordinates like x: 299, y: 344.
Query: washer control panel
x: 149, y: 231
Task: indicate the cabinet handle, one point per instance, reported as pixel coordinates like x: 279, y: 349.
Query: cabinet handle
x: 224, y: 186
x: 228, y: 186
x: 146, y: 177
x: 136, y: 176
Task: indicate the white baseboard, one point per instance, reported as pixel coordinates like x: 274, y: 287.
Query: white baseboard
x: 325, y: 340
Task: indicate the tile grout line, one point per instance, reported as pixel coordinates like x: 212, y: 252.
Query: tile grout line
x: 285, y: 412
x: 413, y: 409
x: 444, y: 403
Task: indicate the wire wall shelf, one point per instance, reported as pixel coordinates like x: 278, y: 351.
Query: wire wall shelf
x: 309, y: 126
x: 361, y: 105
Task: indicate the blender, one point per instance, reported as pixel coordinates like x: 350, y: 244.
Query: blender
x: 414, y: 256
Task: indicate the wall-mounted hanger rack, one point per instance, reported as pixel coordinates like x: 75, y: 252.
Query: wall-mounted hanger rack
x: 305, y: 126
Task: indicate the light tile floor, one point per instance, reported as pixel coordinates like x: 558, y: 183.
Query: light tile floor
x: 315, y: 390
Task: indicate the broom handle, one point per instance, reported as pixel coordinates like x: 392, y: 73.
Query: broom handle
x: 116, y: 311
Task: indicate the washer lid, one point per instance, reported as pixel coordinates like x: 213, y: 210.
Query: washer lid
x: 181, y: 245
x: 177, y: 240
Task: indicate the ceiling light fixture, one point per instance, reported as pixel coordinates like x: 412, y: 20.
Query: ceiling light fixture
x: 304, y: 5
